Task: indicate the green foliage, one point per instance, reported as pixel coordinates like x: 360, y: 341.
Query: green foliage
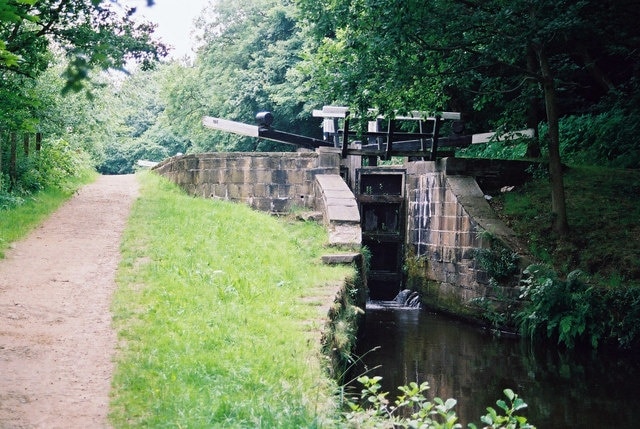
x: 482, y: 57
x: 8, y: 200
x: 560, y: 309
x: 604, y: 245
x: 607, y: 138
x: 509, y: 149
x: 59, y: 162
x: 248, y: 54
x: 411, y: 409
x: 49, y: 48
x: 510, y: 420
x: 93, y: 33
x: 497, y: 311
x: 341, y: 333
x: 622, y: 306
x: 515, y: 63
x: 57, y: 165
x: 575, y: 312
x: 499, y: 262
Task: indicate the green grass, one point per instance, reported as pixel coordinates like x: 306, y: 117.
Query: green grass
x: 17, y: 221
x: 212, y: 317
x: 603, y: 211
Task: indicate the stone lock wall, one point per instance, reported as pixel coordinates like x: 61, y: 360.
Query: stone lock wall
x: 447, y: 216
x: 271, y: 182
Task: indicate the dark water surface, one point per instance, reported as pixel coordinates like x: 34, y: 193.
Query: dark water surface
x: 577, y: 390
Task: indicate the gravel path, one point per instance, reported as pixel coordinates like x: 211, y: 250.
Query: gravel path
x: 56, y: 338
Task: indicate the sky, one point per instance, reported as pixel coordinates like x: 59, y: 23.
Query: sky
x: 175, y: 21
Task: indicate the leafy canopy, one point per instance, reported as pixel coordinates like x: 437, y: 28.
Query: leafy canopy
x: 92, y: 33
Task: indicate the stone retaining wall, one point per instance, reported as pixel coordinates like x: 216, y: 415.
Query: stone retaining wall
x: 271, y: 182
x: 449, y: 219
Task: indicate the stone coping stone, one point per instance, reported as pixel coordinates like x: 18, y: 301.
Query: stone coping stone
x: 341, y: 259
x: 343, y: 213
x: 332, y: 182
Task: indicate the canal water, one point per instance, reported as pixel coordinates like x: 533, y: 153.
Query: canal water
x: 582, y: 389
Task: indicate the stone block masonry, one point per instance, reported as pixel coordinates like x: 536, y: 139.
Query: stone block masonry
x: 448, y: 216
x: 273, y: 182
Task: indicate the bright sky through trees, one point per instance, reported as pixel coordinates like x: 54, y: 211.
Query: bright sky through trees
x: 175, y: 22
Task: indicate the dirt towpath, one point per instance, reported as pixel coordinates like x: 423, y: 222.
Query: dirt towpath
x: 56, y: 338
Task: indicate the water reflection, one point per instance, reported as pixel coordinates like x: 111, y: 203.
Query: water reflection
x: 460, y: 361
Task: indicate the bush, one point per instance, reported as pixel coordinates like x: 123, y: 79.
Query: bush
x: 7, y: 199
x: 499, y: 262
x: 52, y: 167
x: 59, y: 162
x: 572, y: 311
x: 623, y: 305
x: 502, y: 149
x: 561, y: 309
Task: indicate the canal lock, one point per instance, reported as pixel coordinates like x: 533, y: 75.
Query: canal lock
x: 381, y: 200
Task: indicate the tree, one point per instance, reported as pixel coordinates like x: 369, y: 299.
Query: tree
x: 37, y: 37
x: 247, y: 51
x: 496, y: 56
x: 92, y: 33
x: 139, y: 128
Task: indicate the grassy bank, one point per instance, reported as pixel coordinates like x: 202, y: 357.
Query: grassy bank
x: 18, y: 220
x: 603, y: 212
x: 213, y: 311
x: 586, y: 292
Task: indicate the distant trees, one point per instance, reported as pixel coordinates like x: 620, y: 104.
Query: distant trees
x: 139, y: 128
x: 52, y: 47
x: 249, y: 50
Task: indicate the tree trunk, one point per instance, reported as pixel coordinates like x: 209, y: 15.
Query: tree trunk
x: 558, y: 203
x: 533, y: 144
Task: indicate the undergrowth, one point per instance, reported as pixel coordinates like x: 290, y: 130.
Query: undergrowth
x: 411, y: 409
x: 603, y: 213
x: 586, y: 287
x: 572, y: 311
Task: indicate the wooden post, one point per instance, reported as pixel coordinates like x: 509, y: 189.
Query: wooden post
x: 434, y: 139
x: 390, y: 131
x: 345, y: 135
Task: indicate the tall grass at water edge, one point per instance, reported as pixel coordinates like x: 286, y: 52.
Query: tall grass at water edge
x: 214, y: 317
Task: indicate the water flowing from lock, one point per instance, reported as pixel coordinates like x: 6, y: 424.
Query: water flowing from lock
x: 564, y: 390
